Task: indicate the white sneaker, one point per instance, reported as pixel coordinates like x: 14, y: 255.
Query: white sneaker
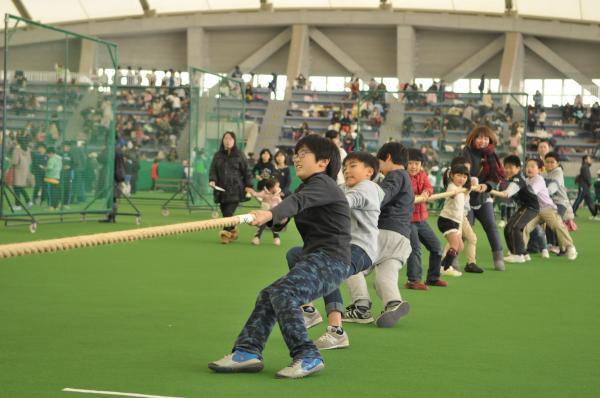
x: 545, y: 253
x: 527, y: 257
x: 595, y: 218
x: 515, y: 258
x: 17, y: 208
x: 301, y: 368
x: 277, y: 242
x: 571, y: 253
x: 451, y: 272
x: 331, y: 339
x: 502, y: 223
x: 312, y: 318
x: 255, y: 241
x: 554, y: 249
x: 238, y: 362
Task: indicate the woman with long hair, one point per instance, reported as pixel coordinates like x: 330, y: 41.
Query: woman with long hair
x: 231, y: 180
x: 480, y: 151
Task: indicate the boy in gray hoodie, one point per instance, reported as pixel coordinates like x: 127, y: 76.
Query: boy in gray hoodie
x: 393, y: 242
x: 364, y: 197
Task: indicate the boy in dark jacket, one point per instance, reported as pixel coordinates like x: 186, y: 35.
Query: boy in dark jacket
x: 322, y: 216
x: 420, y: 231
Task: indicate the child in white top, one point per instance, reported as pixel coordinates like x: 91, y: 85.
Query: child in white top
x: 269, y: 197
x: 452, y: 215
x: 548, y: 211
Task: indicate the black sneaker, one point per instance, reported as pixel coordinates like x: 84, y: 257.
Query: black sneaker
x: 474, y: 268
x: 357, y: 314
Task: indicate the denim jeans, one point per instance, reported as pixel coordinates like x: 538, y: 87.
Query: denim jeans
x: 485, y: 215
x: 359, y: 262
x: 314, y: 275
x: 421, y: 232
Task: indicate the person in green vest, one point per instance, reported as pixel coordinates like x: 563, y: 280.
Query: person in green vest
x: 200, y: 171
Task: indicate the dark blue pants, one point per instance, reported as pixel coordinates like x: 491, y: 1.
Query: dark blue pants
x: 421, y: 232
x: 360, y: 261
x: 584, y: 194
x: 313, y: 276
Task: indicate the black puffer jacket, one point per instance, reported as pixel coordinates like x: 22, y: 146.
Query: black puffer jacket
x: 229, y: 170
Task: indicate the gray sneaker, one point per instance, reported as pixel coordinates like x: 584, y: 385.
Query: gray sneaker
x: 392, y: 314
x: 331, y: 339
x: 238, y: 362
x: 301, y: 368
x: 498, y: 261
x: 312, y: 318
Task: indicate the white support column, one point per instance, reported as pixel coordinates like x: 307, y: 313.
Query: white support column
x: 474, y: 61
x: 297, y: 57
x: 263, y: 53
x: 339, y: 55
x: 561, y: 64
x: 513, y: 59
x: 87, y: 57
x: 197, y: 54
x: 406, y: 53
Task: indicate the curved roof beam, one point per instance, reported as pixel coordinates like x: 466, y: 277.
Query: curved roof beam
x: 22, y: 9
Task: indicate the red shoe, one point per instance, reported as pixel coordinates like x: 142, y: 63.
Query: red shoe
x: 439, y: 283
x: 416, y: 285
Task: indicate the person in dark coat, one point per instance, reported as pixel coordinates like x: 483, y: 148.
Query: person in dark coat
x: 119, y: 178
x: 584, y: 180
x: 229, y: 171
x: 480, y: 152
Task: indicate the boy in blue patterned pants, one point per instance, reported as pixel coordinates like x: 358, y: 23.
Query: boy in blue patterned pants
x: 322, y: 216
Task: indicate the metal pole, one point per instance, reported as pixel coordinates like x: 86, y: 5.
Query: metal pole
x: 5, y: 104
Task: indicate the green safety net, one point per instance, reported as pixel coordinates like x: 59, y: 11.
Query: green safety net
x: 58, y: 122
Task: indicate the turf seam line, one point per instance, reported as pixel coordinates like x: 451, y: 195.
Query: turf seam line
x: 117, y: 393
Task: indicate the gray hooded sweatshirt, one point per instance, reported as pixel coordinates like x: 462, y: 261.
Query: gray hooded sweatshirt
x: 365, y: 206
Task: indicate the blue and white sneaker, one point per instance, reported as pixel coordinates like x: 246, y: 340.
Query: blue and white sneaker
x: 301, y: 368
x: 238, y: 361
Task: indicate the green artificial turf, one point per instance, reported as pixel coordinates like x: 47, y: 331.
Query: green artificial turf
x: 146, y: 317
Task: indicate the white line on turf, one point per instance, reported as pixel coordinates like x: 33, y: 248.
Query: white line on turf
x: 122, y: 394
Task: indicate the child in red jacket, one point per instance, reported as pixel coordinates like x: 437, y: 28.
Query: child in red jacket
x: 421, y: 232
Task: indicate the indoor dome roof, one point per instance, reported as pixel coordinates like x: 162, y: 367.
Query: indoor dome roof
x: 77, y: 10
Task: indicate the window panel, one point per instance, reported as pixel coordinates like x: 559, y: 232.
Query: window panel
x: 318, y: 83
x: 551, y: 100
x: 391, y: 83
x: 335, y: 83
x: 461, y: 86
x: 571, y: 87
x: 552, y: 87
